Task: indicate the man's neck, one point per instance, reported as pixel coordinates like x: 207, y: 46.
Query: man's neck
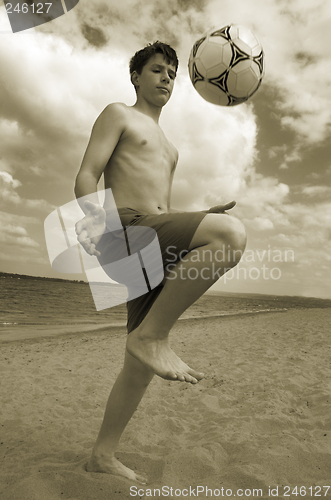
x: 148, y: 109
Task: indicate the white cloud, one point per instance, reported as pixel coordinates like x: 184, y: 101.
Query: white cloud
x: 263, y: 195
x: 7, y: 187
x: 313, y: 191
x: 259, y: 223
x: 15, y: 220
x: 10, y: 198
x: 16, y: 242
x: 12, y: 230
x: 7, y: 180
x: 292, y: 156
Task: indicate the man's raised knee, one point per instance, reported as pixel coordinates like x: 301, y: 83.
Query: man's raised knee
x: 238, y: 235
x: 223, y: 232
x: 233, y: 238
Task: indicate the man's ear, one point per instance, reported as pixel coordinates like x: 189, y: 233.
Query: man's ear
x: 135, y: 78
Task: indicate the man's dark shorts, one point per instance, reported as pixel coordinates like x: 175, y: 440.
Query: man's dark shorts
x: 175, y: 232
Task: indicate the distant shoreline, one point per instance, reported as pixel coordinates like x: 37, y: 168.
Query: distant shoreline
x: 37, y: 307
x: 216, y: 293
x: 27, y: 276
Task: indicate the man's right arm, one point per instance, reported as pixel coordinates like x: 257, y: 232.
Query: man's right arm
x: 106, y: 133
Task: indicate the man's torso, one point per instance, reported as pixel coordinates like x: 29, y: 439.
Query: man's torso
x: 140, y: 169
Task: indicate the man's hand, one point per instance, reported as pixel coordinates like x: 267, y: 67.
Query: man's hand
x: 90, y: 229
x: 220, y: 209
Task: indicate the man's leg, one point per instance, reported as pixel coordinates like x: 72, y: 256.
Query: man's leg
x: 175, y: 297
x: 124, y: 398
x: 149, y: 341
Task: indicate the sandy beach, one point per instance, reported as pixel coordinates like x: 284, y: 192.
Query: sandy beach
x: 260, y: 419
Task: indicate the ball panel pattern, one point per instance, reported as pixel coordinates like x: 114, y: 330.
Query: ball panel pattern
x: 226, y: 65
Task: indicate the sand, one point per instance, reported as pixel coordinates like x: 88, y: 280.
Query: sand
x: 260, y: 419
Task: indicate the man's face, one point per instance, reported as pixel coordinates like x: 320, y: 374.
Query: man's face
x: 156, y: 81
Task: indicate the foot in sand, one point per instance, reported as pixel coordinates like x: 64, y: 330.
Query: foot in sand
x: 110, y: 465
x: 160, y: 358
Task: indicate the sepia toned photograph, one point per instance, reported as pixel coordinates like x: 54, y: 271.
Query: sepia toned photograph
x: 165, y: 259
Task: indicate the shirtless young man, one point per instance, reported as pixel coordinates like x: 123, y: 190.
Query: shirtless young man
x: 128, y: 146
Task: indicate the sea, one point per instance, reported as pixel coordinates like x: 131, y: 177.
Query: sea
x: 32, y: 307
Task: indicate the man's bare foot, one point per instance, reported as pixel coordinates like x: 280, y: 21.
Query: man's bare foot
x: 159, y: 357
x: 110, y: 465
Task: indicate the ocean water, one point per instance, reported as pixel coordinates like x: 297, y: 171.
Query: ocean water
x: 34, y: 307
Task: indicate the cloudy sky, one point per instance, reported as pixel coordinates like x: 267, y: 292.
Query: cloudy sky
x: 271, y: 155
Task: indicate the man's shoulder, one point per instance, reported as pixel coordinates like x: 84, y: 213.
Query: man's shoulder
x: 118, y: 109
x: 114, y: 114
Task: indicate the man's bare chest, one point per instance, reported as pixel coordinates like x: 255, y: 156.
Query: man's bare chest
x: 147, y: 140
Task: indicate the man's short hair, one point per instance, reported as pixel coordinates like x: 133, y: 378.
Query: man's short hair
x: 141, y: 57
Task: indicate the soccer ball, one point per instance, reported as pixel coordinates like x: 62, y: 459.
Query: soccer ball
x: 226, y: 65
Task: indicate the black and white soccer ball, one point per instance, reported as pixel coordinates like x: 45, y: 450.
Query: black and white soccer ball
x: 226, y: 65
